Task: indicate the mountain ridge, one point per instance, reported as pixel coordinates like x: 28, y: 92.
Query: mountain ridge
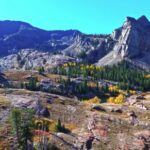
x: 130, y: 41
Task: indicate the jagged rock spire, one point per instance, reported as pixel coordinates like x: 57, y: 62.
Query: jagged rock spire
x: 143, y: 20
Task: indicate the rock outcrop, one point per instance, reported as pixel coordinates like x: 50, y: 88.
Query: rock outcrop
x: 132, y: 41
x: 30, y: 59
x: 134, y: 38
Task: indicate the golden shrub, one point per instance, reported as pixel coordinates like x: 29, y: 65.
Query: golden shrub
x: 113, y: 88
x: 111, y: 100
x: 116, y: 100
x: 119, y: 99
x: 132, y: 92
x: 94, y: 100
x: 65, y: 65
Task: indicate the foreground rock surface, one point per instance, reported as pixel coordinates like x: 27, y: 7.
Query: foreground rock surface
x: 105, y: 126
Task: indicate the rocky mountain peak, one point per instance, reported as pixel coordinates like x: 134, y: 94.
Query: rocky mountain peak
x: 131, y: 42
x: 8, y: 27
x: 129, y: 21
x: 135, y: 22
x: 143, y: 21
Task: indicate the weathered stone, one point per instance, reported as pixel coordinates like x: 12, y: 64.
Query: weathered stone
x: 45, y: 112
x: 118, y: 110
x: 98, y: 108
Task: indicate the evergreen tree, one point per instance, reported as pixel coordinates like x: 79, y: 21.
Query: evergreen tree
x: 41, y: 70
x: 22, y: 122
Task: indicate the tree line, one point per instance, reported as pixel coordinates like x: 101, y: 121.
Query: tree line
x: 127, y: 76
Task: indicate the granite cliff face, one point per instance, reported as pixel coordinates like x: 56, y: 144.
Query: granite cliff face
x: 130, y: 42
x: 133, y: 38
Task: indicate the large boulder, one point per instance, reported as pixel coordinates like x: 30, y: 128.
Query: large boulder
x: 98, y: 108
x: 45, y: 112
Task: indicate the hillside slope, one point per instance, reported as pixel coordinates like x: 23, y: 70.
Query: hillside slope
x: 130, y: 42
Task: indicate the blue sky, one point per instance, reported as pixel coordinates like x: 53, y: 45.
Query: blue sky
x: 88, y: 16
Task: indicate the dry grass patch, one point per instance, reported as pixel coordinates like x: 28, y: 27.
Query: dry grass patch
x: 2, y: 91
x: 46, y: 122
x: 55, y: 77
x: 70, y: 126
x: 146, y: 95
x: 21, y: 92
x: 16, y: 75
x: 4, y: 102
